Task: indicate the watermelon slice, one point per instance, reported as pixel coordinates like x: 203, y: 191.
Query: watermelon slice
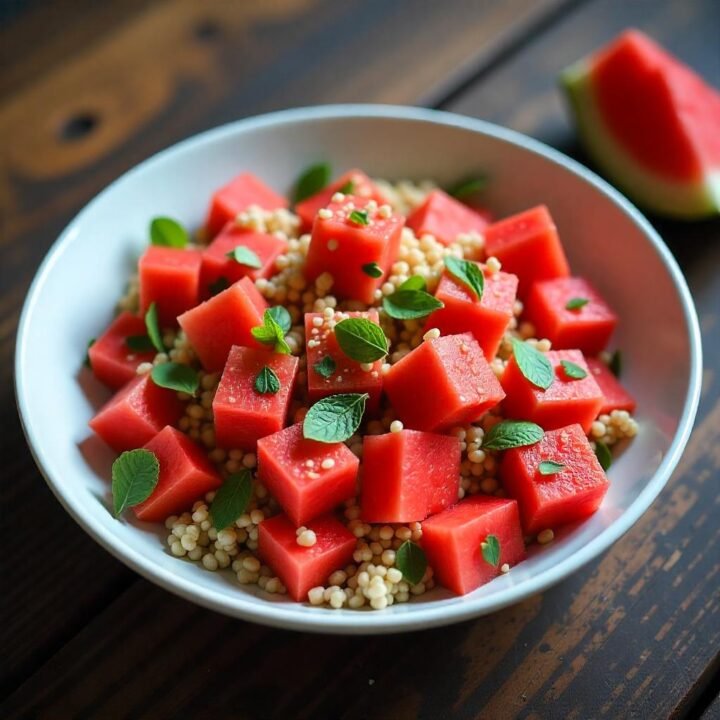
x: 651, y: 124
x: 615, y: 396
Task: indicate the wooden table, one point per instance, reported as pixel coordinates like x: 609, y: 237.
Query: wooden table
x: 88, y: 90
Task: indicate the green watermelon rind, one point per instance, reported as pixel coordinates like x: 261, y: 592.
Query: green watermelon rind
x: 685, y: 200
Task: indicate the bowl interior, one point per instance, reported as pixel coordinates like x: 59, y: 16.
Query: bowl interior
x: 606, y: 240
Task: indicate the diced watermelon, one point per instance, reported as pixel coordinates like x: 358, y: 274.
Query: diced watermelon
x: 527, y: 244
x: 565, y: 402
x: 216, y: 264
x: 341, y: 247
x: 186, y: 475
x: 242, y: 414
x: 224, y: 320
x: 441, y: 383
x: 111, y: 360
x: 408, y: 475
x: 349, y: 377
x: 170, y: 278
x: 306, y: 477
x: 453, y: 539
x: 487, y: 318
x: 615, y: 396
x: 445, y: 218
x: 353, y: 182
x: 136, y: 413
x: 302, y: 568
x: 238, y: 195
x: 587, y: 328
x: 548, y: 501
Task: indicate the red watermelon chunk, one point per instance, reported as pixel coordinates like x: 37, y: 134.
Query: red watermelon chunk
x: 487, y: 318
x: 527, y: 244
x: 408, y: 475
x: 306, y: 477
x: 136, y: 413
x: 224, y: 320
x: 442, y: 383
x: 216, y: 264
x: 111, y: 360
x: 349, y: 376
x: 565, y: 402
x: 452, y: 541
x: 242, y: 414
x: 587, y: 328
x: 186, y: 475
x: 238, y: 195
x: 615, y: 396
x: 303, y: 568
x: 170, y: 278
x: 341, y: 247
x: 548, y: 501
x: 445, y: 218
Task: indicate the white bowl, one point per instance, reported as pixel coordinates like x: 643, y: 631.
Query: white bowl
x: 606, y: 239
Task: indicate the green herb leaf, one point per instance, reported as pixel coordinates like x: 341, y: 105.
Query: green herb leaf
x: 244, y: 256
x: 361, y: 339
x: 511, y: 434
x: 347, y: 189
x: 468, y: 273
x: 573, y: 371
x: 312, y: 181
x: 616, y: 363
x: 416, y: 282
x: 271, y: 331
x: 166, y: 232
x: 550, y: 467
x: 175, y: 376
x: 222, y: 283
x: 576, y: 303
x: 467, y: 187
x: 86, y: 362
x: 410, y: 560
x: 335, y: 418
x: 603, y: 454
x: 153, y: 328
x: 491, y: 550
x: 533, y: 364
x: 410, y: 304
x: 282, y: 317
x: 135, y: 474
x: 139, y: 343
x: 231, y: 500
x: 267, y: 382
x: 325, y: 367
x: 373, y: 270
x: 359, y: 217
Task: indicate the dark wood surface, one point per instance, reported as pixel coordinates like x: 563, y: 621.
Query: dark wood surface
x: 89, y: 89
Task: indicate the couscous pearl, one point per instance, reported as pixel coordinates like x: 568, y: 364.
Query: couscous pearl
x: 379, y: 603
x: 327, y: 464
x: 504, y: 568
x: 545, y: 537
x: 432, y: 334
x: 307, y: 538
x: 209, y: 562
x: 396, y: 426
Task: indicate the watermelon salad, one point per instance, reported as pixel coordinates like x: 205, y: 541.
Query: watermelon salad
x: 379, y: 391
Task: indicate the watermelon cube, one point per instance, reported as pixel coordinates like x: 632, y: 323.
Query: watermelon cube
x: 238, y: 195
x: 242, y: 414
x: 487, y: 318
x: 548, y: 501
x: 341, y: 246
x: 303, y: 568
x: 565, y: 402
x: 353, y: 182
x: 170, y: 278
x: 136, y: 413
x: 224, y: 320
x: 408, y: 475
x: 442, y: 383
x: 615, y: 396
x: 111, y: 360
x: 452, y: 541
x: 527, y: 244
x: 445, y: 218
x: 349, y: 376
x: 587, y: 328
x: 216, y: 264
x: 186, y: 475
x: 306, y: 477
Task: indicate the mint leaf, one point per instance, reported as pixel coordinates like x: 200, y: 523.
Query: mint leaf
x: 533, y: 364
x: 359, y: 217
x: 468, y: 273
x: 373, y: 270
x: 467, y: 187
x: 86, y: 362
x: 335, y: 418
x: 271, y: 331
x: 550, y: 467
x: 166, y: 232
x: 153, y: 328
x: 416, y: 282
x: 361, y: 339
x: 616, y: 363
x: 576, y: 303
x: 410, y: 304
x: 347, y: 189
x: 573, y: 371
x: 312, y: 181
x: 325, y: 367
x: 135, y: 474
x: 282, y: 317
x: 175, y: 376
x: 267, y: 382
x: 222, y: 283
x: 491, y: 550
x: 410, y: 560
x: 139, y: 343
x: 245, y: 256
x: 603, y: 454
x: 231, y: 500
x: 511, y: 434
